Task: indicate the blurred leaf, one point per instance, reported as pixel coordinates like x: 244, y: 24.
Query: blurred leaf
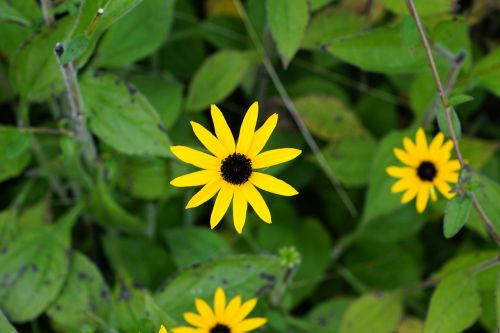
x: 14, y: 152
x: 455, y: 305
x: 34, y: 216
x: 410, y: 325
x: 314, y: 85
x: 288, y: 21
x: 377, y: 313
x: 328, y: 118
x: 9, y: 13
x: 128, y: 257
x: 486, y: 72
x: 34, y: 72
x: 458, y: 99
x: 497, y: 302
x: 488, y: 195
x: 330, y: 24
x: 245, y: 275
x: 13, y: 37
x: 29, y: 9
x: 5, y: 326
x: 224, y: 32
x: 327, y: 316
x: 424, y: 7
x: 130, y: 39
x: 217, y: 78
x: 456, y: 215
x: 84, y: 299
x: 193, y: 245
x: 122, y: 117
x: 74, y: 49
x: 34, y: 266
x: 316, y: 4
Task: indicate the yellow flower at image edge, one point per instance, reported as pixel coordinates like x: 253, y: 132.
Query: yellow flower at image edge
x: 162, y: 329
x: 224, y: 318
x: 427, y: 167
x: 230, y: 171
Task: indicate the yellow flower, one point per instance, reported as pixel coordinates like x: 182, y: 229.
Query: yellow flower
x: 427, y: 167
x: 162, y: 329
x: 224, y: 318
x: 230, y: 171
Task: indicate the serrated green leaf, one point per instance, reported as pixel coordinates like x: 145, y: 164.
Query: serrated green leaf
x: 218, y: 76
x: 122, y: 117
x: 377, y: 313
x: 456, y: 214
x: 443, y: 122
x: 455, y: 305
x: 288, y: 21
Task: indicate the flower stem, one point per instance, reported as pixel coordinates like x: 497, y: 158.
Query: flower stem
x: 447, y: 113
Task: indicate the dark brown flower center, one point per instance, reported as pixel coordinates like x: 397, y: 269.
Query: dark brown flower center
x: 220, y: 328
x: 236, y: 169
x: 426, y: 171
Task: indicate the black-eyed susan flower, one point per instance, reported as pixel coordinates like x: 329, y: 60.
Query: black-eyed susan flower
x: 225, y: 317
x: 427, y: 167
x: 231, y: 169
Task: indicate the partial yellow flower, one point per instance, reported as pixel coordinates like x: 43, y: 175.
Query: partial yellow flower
x: 427, y: 167
x: 230, y: 170
x: 162, y: 329
x: 225, y: 317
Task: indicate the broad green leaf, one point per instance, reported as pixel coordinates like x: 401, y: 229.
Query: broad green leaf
x: 327, y: 316
x: 487, y: 193
x: 192, y: 245
x: 328, y: 118
x: 127, y: 256
x: 122, y: 117
x: 34, y: 216
x: 377, y: 313
x: 308, y: 85
x: 9, y: 13
x: 13, y: 37
x: 84, y: 300
x: 14, y: 152
x: 424, y: 7
x: 456, y: 215
x: 107, y: 212
x: 130, y: 39
x: 34, y: 72
x: 34, y: 266
x: 74, y: 49
x: 486, y: 72
x: 455, y: 305
x: 217, y: 77
x: 458, y: 99
x: 5, y: 326
x: 288, y: 21
x: 330, y: 24
x: 245, y: 275
x: 29, y: 9
x: 316, y: 4
x: 350, y: 159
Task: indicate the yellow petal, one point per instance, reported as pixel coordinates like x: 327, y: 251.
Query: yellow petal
x: 205, y: 193
x: 433, y: 194
x: 275, y: 156
x: 421, y: 143
x: 195, y: 320
x: 251, y: 324
x: 436, y: 144
x: 197, y: 178
x: 232, y: 309
x: 410, y: 194
x: 401, y: 185
x: 244, y: 311
x: 247, y: 129
x: 209, y: 141
x: 196, y: 158
x: 257, y: 202
x: 205, y: 311
x: 444, y: 188
x: 219, y: 304
x: 163, y: 329
x: 422, y: 197
x: 272, y: 184
x: 445, y: 152
x: 453, y: 165
x: 400, y: 172
x: 410, y: 148
x: 261, y: 136
x: 222, y: 129
x: 221, y: 204
x: 239, y: 209
x: 449, y: 176
x: 406, y: 158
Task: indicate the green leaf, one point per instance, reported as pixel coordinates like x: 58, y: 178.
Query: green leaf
x: 74, y: 49
x: 330, y: 24
x: 34, y: 72
x: 497, y: 302
x: 377, y: 313
x: 317, y: 4
x: 9, y: 13
x: 488, y: 195
x: 350, y: 159
x: 327, y: 316
x: 245, y: 275
x: 84, y: 300
x: 217, y: 77
x: 34, y: 266
x: 5, y: 326
x: 288, y: 21
x: 122, y: 117
x: 194, y: 245
x: 486, y: 72
x: 424, y: 7
x: 443, y: 123
x: 14, y: 152
x: 458, y: 99
x: 130, y: 39
x: 455, y: 305
x: 328, y: 118
x: 456, y: 215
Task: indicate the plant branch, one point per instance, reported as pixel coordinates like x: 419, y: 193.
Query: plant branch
x: 447, y: 112
x: 294, y: 113
x: 47, y: 16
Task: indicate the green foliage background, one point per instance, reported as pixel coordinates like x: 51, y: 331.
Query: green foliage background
x: 94, y: 239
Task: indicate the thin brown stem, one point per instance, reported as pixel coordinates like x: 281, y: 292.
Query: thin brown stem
x: 447, y: 112
x: 47, y: 16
